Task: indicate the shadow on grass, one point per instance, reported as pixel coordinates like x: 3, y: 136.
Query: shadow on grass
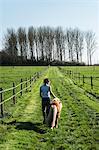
x: 28, y: 126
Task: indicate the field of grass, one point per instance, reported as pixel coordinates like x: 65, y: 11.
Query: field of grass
x: 78, y: 126
x: 8, y: 75
x: 88, y: 72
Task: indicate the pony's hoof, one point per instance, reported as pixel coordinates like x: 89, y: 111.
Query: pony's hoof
x: 51, y: 128
x: 56, y: 126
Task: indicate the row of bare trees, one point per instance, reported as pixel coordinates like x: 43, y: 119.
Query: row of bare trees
x: 49, y: 44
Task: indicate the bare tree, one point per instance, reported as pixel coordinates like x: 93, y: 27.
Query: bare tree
x: 81, y: 45
x: 31, y: 39
x: 78, y: 44
x: 41, y: 38
x: 90, y: 39
x: 22, y: 41
x: 70, y: 43
x: 62, y: 45
x: 37, y: 44
x: 57, y: 37
x: 25, y: 45
x: 60, y: 42
x: 49, y: 43
x: 10, y: 43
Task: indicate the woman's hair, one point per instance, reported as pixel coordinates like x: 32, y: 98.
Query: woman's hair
x: 46, y: 80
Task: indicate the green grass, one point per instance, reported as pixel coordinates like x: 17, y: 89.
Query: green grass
x: 84, y: 70
x: 87, y: 72
x: 8, y: 75
x: 78, y: 125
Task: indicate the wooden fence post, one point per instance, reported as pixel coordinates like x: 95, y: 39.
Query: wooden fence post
x: 30, y: 83
x: 35, y: 77
x: 32, y: 78
x: 91, y: 83
x: 72, y: 74
x: 26, y: 84
x: 76, y: 76
x: 1, y: 100
x: 69, y: 73
x: 21, y: 88
x: 79, y: 77
x: 83, y: 80
x: 14, y: 98
x: 37, y: 74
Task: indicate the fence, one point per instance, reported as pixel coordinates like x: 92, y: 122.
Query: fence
x: 92, y: 82
x: 78, y: 77
x: 23, y: 86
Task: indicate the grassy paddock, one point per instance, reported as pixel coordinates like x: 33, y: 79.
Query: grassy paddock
x: 88, y: 72
x: 8, y: 75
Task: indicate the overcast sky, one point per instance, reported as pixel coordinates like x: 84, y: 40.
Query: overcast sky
x: 83, y: 14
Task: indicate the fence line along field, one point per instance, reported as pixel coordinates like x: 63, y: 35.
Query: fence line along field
x: 8, y: 75
x: 85, y: 77
x: 15, y: 81
x: 79, y: 123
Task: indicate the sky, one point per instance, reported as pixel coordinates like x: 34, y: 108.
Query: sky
x: 83, y: 14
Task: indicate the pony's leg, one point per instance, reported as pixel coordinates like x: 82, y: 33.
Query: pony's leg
x: 54, y: 116
x: 56, y: 122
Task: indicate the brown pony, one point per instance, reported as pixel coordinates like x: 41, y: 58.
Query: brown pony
x: 54, y: 113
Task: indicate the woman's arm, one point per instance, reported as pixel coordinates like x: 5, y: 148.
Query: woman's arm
x: 52, y: 92
x: 40, y: 92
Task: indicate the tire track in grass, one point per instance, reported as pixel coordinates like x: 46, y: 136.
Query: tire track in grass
x: 86, y: 112
x: 79, y: 133
x: 65, y: 139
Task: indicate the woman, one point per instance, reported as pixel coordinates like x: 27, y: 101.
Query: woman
x: 45, y: 93
x: 54, y: 113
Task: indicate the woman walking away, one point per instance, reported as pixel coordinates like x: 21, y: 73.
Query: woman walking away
x: 45, y: 92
